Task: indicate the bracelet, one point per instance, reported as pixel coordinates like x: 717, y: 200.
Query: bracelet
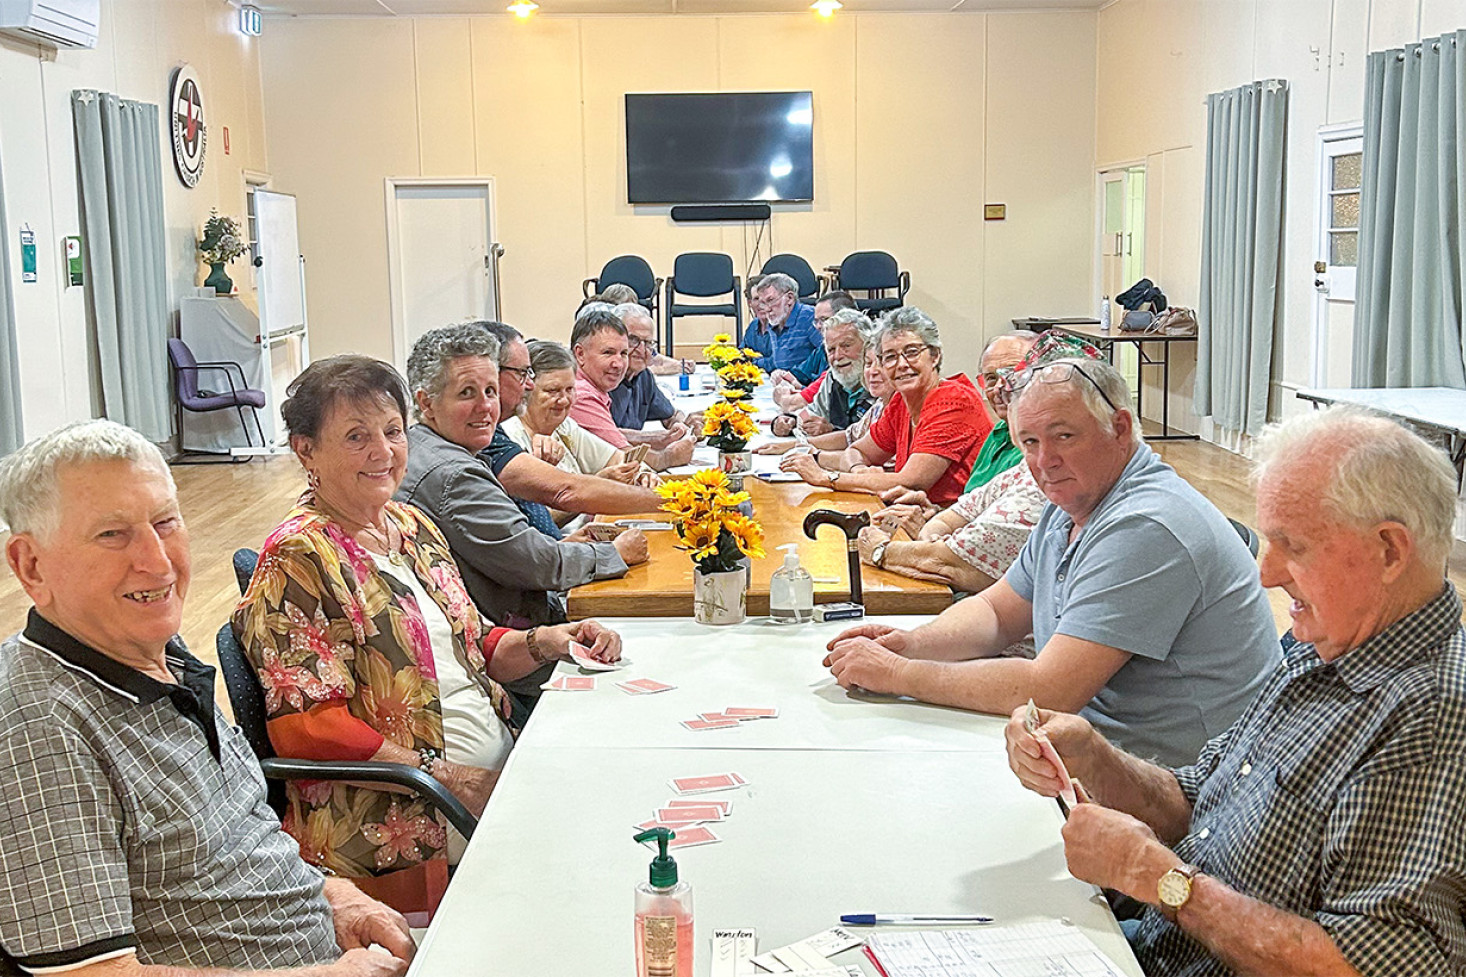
x: 427, y: 757
x: 532, y: 641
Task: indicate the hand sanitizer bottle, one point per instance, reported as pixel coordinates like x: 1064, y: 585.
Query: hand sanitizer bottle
x: 1104, y: 314
x: 663, y: 915
x: 791, y: 590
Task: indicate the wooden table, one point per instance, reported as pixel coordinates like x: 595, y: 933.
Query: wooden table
x: 1106, y: 342
x: 662, y: 587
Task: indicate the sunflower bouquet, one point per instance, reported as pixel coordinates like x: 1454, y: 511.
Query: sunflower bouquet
x: 721, y: 351
x: 740, y: 375
x: 727, y: 424
x: 707, y: 521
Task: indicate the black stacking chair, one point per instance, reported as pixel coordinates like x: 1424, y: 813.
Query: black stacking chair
x: 810, y: 284
x: 703, y: 274
x: 875, y: 273
x: 247, y: 697
x: 633, y: 271
x: 1248, y: 536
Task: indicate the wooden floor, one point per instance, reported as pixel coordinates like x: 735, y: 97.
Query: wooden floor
x: 229, y: 506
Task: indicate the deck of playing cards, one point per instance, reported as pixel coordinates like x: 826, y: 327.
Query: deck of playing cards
x: 581, y: 654
x: 570, y: 683
x: 644, y: 686
x: 730, y: 717
x: 708, y: 784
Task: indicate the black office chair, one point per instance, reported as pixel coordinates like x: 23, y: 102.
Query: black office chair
x: 189, y: 396
x: 634, y: 272
x: 703, y: 274
x: 1248, y: 536
x: 875, y: 273
x: 810, y: 284
x: 247, y: 697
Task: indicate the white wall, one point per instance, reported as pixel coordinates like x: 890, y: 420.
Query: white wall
x: 141, y: 42
x: 1158, y: 59
x: 919, y: 120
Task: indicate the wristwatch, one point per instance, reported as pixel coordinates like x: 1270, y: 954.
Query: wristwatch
x: 878, y: 553
x: 834, y: 476
x: 1174, y: 887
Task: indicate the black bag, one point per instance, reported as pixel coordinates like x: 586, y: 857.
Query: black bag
x: 1143, y: 296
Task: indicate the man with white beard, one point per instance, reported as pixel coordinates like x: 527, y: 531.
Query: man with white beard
x: 841, y: 399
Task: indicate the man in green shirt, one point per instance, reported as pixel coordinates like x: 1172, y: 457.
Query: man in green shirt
x: 998, y: 453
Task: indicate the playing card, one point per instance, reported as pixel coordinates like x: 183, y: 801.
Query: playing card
x: 644, y: 686
x: 1066, y: 786
x: 603, y: 532
x: 570, y: 683
x: 699, y: 725
x: 715, y: 717
x: 690, y: 837
x: 637, y: 452
x: 751, y: 712
x: 581, y: 654
x: 725, y: 808
x: 707, y: 784
x: 700, y: 812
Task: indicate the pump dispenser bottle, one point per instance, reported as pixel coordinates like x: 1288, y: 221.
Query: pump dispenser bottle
x: 791, y: 590
x: 663, y: 915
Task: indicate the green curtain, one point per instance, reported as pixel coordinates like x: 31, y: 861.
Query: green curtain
x: 12, y: 435
x: 120, y: 168
x: 1412, y: 220
x: 1241, y: 243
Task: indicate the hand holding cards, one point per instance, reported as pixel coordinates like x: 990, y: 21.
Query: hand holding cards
x: 1067, y: 794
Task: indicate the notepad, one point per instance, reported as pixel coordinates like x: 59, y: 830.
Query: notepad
x: 1050, y: 947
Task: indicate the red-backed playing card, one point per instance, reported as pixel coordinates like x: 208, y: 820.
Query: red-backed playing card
x: 701, y: 812
x: 702, y: 724
x: 702, y: 785
x: 751, y: 712
x: 725, y: 808
x: 644, y: 686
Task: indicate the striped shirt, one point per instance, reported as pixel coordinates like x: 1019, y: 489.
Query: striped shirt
x: 1340, y: 796
x: 133, y: 818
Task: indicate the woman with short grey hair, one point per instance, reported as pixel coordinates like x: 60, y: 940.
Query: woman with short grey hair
x: 932, y: 430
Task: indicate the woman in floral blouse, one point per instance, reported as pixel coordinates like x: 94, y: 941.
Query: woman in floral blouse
x: 369, y: 648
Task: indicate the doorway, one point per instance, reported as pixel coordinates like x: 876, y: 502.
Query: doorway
x: 441, y: 254
x: 1336, y: 253
x: 1122, y: 248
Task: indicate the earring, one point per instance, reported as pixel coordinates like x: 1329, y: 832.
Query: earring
x: 312, y: 480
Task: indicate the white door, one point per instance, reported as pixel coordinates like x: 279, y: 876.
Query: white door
x: 1336, y: 254
x: 280, y: 281
x: 442, y: 254
x: 1122, y: 248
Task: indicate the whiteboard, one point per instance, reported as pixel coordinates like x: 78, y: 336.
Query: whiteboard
x: 282, y: 302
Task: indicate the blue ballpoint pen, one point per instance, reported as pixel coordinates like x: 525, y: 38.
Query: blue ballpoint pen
x: 886, y: 919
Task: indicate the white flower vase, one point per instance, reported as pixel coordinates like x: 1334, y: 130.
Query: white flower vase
x: 735, y: 462
x: 720, y: 598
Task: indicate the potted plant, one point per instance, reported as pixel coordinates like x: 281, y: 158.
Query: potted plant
x: 222, y: 243
x: 740, y: 374
x: 728, y: 427
x: 719, y: 537
x: 721, y: 351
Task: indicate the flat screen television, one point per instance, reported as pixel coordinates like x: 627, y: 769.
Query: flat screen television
x: 731, y: 147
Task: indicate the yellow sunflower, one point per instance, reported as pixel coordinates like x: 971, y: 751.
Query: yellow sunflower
x: 748, y: 534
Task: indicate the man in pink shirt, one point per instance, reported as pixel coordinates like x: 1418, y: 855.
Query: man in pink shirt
x: 602, y: 351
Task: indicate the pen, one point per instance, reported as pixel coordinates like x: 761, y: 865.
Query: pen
x: 886, y: 919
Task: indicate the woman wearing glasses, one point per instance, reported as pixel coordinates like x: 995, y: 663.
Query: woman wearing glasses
x: 932, y: 429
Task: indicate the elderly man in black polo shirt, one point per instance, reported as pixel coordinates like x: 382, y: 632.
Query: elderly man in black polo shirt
x: 1325, y: 831
x: 134, y: 834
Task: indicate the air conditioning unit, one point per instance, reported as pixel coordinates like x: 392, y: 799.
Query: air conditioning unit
x: 59, y: 23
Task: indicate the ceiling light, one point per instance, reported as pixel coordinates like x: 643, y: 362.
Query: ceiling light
x: 826, y: 8
x: 523, y: 8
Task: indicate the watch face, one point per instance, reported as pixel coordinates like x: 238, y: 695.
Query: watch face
x: 1174, y: 889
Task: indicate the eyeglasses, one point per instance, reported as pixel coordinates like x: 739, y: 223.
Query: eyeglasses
x: 910, y: 354
x: 1015, y: 381
x: 637, y: 342
x: 526, y: 373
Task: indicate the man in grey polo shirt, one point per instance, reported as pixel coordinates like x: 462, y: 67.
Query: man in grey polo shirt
x: 134, y: 832
x: 1142, y: 599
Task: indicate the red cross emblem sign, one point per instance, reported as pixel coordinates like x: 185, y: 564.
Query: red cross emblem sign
x: 186, y: 114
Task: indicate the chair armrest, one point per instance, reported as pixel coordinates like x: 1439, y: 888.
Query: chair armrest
x: 905, y: 279
x: 588, y: 286
x: 375, y: 772
x: 225, y: 366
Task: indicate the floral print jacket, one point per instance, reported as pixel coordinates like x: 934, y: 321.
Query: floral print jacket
x: 323, y: 627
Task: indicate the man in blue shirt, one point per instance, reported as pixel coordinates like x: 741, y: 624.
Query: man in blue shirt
x: 1143, y: 602
x: 784, y: 331
x: 637, y: 398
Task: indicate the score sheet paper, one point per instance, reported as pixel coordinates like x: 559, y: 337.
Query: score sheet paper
x: 1051, y: 948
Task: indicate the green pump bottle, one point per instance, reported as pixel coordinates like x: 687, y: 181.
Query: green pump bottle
x: 663, y: 915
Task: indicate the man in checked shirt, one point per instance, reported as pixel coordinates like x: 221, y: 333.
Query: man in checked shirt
x: 1325, y: 831
x: 135, y: 840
